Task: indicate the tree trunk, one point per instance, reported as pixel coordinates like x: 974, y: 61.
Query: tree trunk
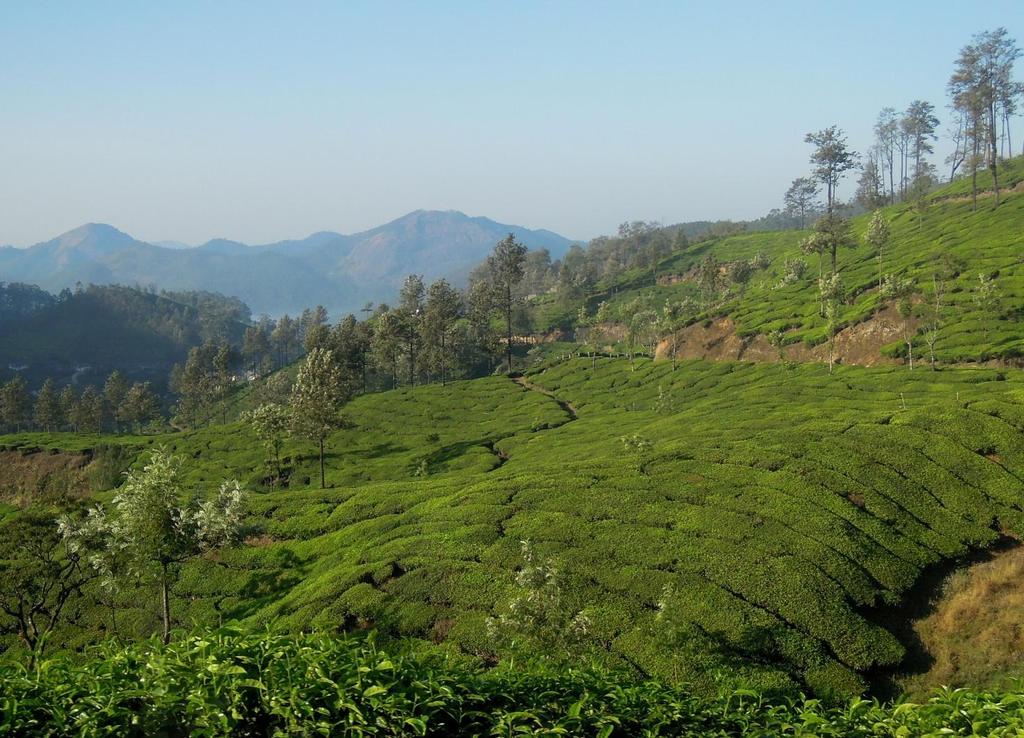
x: 323, y: 483
x: 1009, y: 139
x: 993, y: 149
x: 903, y: 173
x: 166, y: 602
x: 442, y: 357
x: 113, y: 617
x: 892, y: 182
x: 974, y: 170
x: 508, y: 326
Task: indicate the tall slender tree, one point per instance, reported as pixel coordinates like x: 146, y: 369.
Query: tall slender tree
x: 48, y: 414
x: 284, y: 338
x: 271, y: 423
x: 901, y: 291
x: 140, y: 407
x: 482, y: 334
x: 221, y: 379
x: 410, y: 312
x: 831, y: 158
x: 886, y: 132
x: 983, y: 89
x: 831, y: 295
x: 921, y: 124
x: 505, y: 267
x: 800, y: 199
x: 319, y: 393
x: 877, y: 236
x: 114, y: 391
x: 832, y: 232
x: 441, y: 310
x: 15, y: 403
x: 88, y: 415
x: 68, y: 402
x: 386, y: 343
x: 871, y: 187
x: 957, y: 133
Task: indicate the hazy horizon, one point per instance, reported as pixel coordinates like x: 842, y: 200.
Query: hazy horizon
x: 257, y: 122
x: 178, y: 244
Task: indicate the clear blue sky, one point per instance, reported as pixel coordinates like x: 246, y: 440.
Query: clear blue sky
x: 261, y: 121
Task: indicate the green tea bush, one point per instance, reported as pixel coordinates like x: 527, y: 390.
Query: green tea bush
x: 230, y: 683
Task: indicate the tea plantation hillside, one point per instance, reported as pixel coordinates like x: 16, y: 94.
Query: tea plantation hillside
x: 724, y: 524
x: 947, y: 238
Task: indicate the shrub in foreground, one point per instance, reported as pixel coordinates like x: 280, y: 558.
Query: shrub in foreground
x: 229, y: 683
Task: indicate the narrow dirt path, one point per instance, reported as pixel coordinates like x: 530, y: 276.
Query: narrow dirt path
x: 499, y: 454
x: 569, y: 408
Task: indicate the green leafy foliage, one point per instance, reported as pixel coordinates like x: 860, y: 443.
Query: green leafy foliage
x: 229, y: 683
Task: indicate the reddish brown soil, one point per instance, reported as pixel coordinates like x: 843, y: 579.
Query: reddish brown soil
x: 858, y: 344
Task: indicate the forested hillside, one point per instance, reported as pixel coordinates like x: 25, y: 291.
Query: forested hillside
x: 91, y: 331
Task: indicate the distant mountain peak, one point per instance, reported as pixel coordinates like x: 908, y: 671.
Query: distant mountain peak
x: 92, y: 238
x: 340, y: 271
x: 92, y: 232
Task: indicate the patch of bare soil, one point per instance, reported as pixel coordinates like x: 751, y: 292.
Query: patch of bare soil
x: 612, y: 333
x: 667, y: 280
x: 859, y: 344
x: 715, y: 340
x: 28, y: 475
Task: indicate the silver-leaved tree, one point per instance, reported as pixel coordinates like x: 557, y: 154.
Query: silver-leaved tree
x: 148, y: 530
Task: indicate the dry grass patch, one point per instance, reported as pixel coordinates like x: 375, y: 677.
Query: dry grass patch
x: 976, y: 632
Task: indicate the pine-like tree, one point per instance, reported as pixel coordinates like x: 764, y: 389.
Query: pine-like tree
x: 48, y: 415
x: 505, y: 267
x: 15, y: 404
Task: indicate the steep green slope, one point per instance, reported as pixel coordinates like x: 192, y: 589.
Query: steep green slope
x: 779, y: 506
x: 987, y: 242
